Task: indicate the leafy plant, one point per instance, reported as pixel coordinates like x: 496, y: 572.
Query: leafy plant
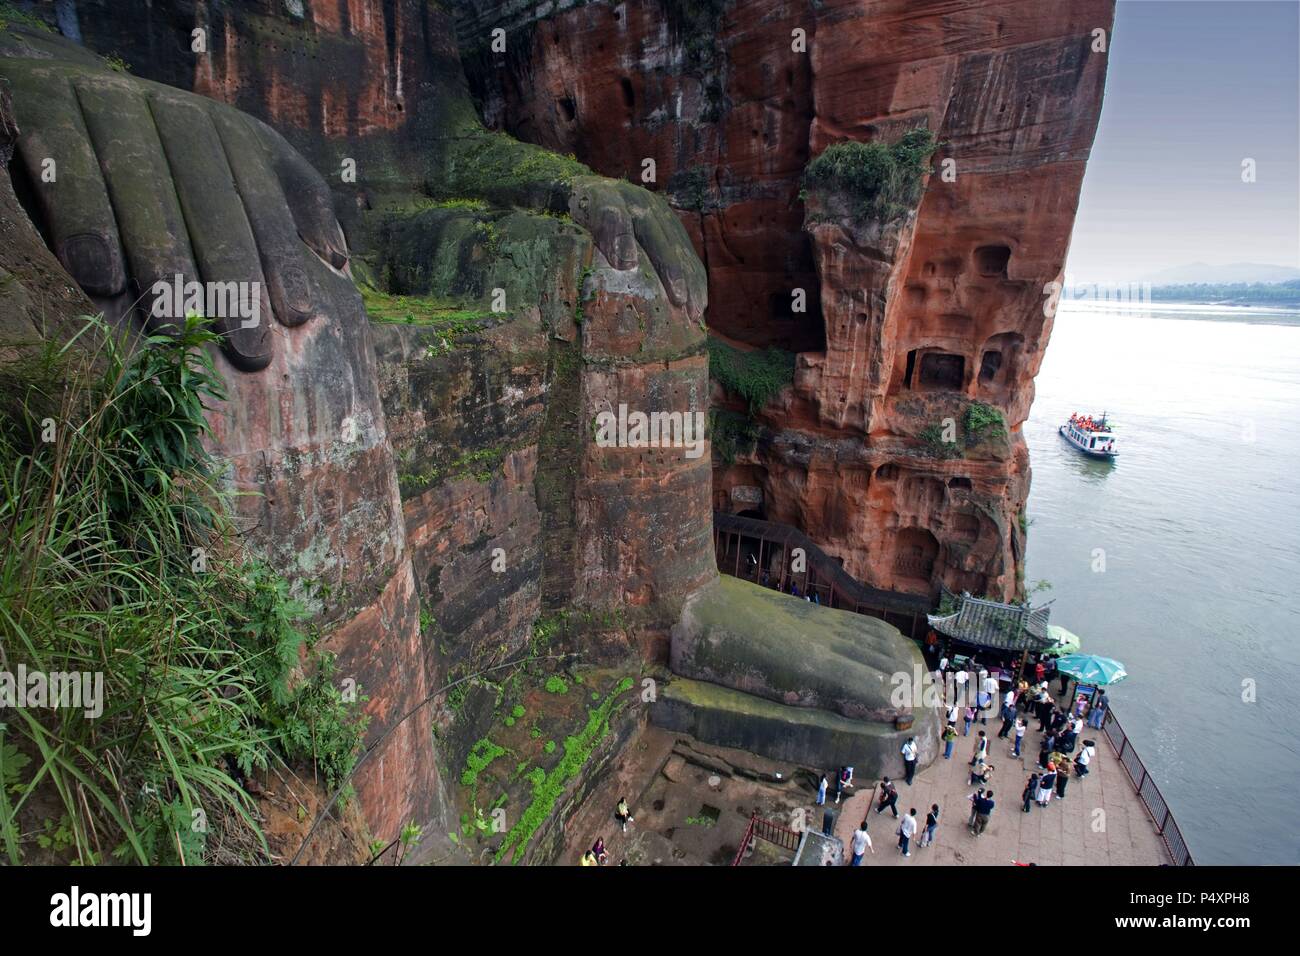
x: 883, y: 180
x: 556, y: 685
x: 982, y: 421
x: 117, y: 560
x: 757, y: 377
x: 731, y: 435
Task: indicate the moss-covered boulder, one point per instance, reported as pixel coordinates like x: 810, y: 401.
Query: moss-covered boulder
x: 810, y: 738
x: 791, y: 680
x: 791, y: 651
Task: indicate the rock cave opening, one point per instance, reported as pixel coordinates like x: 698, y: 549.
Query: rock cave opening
x: 942, y: 370
x: 915, y: 551
x: 991, y: 261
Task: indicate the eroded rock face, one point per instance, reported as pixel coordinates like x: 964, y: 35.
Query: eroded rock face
x: 491, y: 448
x: 908, y: 322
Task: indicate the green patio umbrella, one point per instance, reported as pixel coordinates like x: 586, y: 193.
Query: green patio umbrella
x: 1063, y: 641
x: 1092, y: 669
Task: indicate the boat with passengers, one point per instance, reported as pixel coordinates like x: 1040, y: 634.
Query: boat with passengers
x: 1091, y: 435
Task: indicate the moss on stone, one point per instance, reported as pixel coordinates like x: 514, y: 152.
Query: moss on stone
x: 782, y: 647
x: 548, y: 789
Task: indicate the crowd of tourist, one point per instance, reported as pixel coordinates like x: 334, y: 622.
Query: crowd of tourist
x: 974, y: 694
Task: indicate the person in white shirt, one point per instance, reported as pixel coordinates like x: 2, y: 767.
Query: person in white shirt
x: 1081, y: 762
x: 907, y: 830
x: 861, y: 844
x: 909, y: 752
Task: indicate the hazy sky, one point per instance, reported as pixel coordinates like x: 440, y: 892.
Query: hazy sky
x: 1192, y: 89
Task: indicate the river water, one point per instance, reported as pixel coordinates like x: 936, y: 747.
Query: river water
x: 1182, y: 558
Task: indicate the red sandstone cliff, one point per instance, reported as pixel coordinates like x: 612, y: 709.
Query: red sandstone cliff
x: 905, y: 326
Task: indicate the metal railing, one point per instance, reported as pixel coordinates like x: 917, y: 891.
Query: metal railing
x: 1147, y: 790
x: 748, y: 547
x: 766, y: 830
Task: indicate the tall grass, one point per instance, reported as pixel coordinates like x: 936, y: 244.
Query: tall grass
x: 116, y: 556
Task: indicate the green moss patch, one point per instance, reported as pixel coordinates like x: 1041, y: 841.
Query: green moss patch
x: 447, y: 317
x: 757, y: 377
x: 548, y: 789
x: 882, y: 180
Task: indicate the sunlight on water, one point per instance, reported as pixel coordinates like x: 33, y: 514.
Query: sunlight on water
x: 1199, y: 521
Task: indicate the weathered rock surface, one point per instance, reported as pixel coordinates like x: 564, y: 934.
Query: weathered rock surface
x: 785, y: 649
x: 491, y: 451
x: 805, y: 737
x: 906, y: 324
x: 398, y: 461
x: 792, y: 680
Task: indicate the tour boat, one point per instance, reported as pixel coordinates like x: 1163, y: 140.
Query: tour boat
x: 1092, y: 436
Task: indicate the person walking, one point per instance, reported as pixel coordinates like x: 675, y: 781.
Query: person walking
x: 949, y: 738
x: 907, y: 830
x: 1030, y: 791
x: 843, y: 781
x: 861, y: 844
x: 983, y: 810
x: 953, y: 713
x: 909, y: 752
x: 1008, y: 720
x: 1021, y: 727
x: 970, y: 719
x: 976, y: 795
x: 1098, y: 712
x: 931, y: 822
x: 821, y: 790
x: 888, y: 797
x: 981, y: 750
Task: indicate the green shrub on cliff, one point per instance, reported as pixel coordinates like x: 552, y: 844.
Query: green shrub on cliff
x: 731, y: 435
x: 117, y: 562
x: 757, y: 377
x: 982, y: 421
x: 882, y: 179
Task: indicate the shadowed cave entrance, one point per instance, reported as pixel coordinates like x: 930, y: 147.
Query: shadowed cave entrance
x: 915, y: 551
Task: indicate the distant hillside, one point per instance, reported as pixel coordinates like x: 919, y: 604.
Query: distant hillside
x: 1279, y: 295
x: 1231, y: 274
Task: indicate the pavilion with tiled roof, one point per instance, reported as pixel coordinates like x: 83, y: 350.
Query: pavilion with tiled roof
x: 1012, y: 628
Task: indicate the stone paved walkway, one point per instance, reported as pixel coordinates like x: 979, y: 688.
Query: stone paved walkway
x: 1066, y: 832
x: 1071, y: 832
